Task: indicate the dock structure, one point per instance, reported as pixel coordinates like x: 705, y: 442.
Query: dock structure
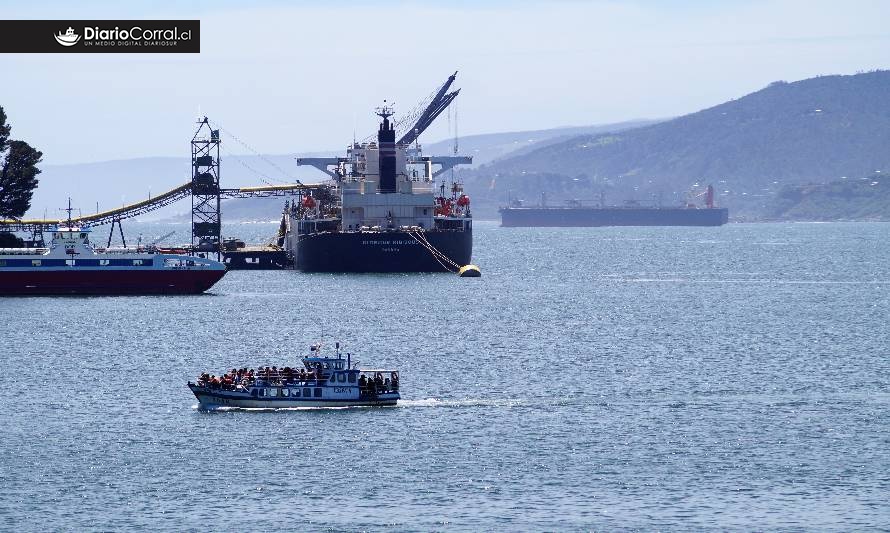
x: 204, y: 191
x: 154, y: 203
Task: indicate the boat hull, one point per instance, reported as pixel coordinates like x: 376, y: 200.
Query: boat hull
x: 606, y: 216
x: 210, y: 399
x: 385, y: 251
x: 107, y: 282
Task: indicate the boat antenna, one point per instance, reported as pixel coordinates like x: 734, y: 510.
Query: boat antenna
x: 385, y: 111
x: 69, y: 209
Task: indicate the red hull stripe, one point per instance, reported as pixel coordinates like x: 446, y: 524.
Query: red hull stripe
x: 109, y: 282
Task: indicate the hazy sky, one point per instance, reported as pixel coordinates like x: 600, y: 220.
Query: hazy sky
x: 296, y: 76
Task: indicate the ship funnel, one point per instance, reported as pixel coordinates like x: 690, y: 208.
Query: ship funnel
x: 386, y: 140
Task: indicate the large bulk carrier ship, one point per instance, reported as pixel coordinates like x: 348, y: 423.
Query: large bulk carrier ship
x: 576, y: 215
x: 383, y: 213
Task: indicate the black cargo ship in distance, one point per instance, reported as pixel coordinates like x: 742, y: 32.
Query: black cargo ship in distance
x: 576, y: 215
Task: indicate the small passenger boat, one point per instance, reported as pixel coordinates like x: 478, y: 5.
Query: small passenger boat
x: 322, y: 381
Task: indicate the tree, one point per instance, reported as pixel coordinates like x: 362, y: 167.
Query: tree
x: 18, y: 173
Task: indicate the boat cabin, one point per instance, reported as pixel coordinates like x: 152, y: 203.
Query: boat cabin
x: 332, y: 369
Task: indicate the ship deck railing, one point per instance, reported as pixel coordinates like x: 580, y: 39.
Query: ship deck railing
x: 384, y: 229
x: 264, y: 383
x: 127, y: 250
x: 313, y: 382
x: 186, y: 262
x: 24, y: 251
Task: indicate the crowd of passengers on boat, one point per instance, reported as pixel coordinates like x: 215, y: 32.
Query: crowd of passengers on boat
x: 241, y: 379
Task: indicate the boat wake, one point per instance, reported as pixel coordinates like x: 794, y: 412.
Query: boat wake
x: 466, y: 402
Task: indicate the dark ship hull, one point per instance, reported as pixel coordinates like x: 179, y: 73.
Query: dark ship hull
x: 611, y: 216
x: 383, y: 251
x: 257, y: 259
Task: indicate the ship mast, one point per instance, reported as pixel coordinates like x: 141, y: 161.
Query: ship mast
x: 69, y: 210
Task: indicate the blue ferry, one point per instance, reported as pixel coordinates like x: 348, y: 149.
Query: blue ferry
x: 321, y: 381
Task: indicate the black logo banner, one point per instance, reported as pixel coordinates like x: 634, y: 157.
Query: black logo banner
x: 100, y: 36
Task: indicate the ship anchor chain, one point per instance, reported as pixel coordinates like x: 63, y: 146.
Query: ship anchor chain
x: 448, y: 264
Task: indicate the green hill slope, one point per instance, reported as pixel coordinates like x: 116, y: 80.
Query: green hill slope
x: 847, y: 199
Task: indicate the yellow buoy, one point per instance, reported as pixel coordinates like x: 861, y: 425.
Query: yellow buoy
x: 469, y: 271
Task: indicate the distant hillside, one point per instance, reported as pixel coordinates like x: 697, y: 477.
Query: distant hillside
x: 488, y: 147
x: 847, y: 199
x: 113, y: 183
x: 810, y: 131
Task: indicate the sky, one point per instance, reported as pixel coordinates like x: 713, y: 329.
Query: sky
x: 288, y: 77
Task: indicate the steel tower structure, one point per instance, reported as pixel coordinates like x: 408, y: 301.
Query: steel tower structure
x: 206, y: 221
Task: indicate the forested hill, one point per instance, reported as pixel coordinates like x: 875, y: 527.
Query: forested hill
x: 866, y: 198
x: 811, y: 131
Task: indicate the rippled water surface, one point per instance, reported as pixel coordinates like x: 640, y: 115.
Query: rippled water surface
x: 596, y: 378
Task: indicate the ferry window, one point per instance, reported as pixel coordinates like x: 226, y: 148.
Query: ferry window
x: 341, y: 378
x: 273, y: 392
x: 69, y: 262
x: 307, y: 392
x: 83, y: 235
x: 352, y: 377
x: 35, y: 262
x: 262, y: 392
x: 285, y: 392
x: 318, y: 393
x: 295, y: 393
x: 104, y: 262
x: 137, y: 262
x: 254, y: 393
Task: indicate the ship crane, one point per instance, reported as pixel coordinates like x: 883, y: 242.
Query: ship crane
x: 420, y: 119
x: 707, y: 193
x: 439, y: 103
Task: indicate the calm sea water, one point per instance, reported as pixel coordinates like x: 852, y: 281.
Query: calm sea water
x: 597, y: 378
